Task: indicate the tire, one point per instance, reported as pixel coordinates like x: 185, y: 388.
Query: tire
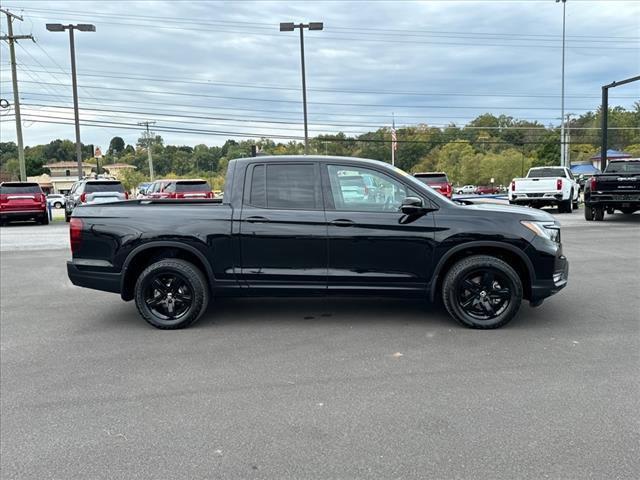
x: 566, y: 206
x: 182, y: 305
x: 598, y: 214
x: 481, y: 313
x: 588, y: 213
x: 44, y: 220
x: 57, y: 205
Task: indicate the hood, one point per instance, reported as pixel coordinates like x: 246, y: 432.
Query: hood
x: 524, y: 213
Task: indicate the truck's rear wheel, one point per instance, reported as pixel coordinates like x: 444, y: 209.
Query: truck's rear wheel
x: 598, y: 214
x: 171, y: 293
x: 482, y: 292
x: 588, y: 213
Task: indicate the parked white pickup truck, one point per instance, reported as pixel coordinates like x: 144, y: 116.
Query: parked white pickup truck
x: 546, y: 186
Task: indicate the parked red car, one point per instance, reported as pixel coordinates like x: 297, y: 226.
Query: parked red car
x: 436, y: 180
x: 22, y: 201
x: 188, y: 189
x: 156, y: 189
x: 487, y: 190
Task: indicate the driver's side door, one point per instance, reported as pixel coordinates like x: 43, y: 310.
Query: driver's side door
x: 372, y: 245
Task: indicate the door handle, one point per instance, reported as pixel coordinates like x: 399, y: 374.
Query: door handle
x: 343, y: 222
x: 257, y: 219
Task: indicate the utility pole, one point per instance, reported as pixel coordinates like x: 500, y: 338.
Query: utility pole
x: 146, y: 124
x: 11, y: 38
x: 563, y: 162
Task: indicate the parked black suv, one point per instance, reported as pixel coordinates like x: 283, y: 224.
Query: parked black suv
x: 289, y: 226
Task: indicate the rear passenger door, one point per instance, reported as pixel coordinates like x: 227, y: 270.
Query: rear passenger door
x: 283, y: 230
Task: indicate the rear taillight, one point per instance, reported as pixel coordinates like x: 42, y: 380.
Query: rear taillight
x: 209, y: 194
x: 75, y: 233
x: 513, y: 186
x: 178, y: 195
x: 83, y: 197
x: 592, y: 183
x: 559, y: 184
x: 43, y: 199
x: 126, y: 195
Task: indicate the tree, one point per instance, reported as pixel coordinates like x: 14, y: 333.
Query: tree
x: 116, y: 146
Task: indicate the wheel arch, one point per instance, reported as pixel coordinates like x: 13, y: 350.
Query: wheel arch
x: 143, y: 255
x: 513, y: 255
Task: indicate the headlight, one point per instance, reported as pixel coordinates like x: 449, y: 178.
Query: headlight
x: 547, y: 230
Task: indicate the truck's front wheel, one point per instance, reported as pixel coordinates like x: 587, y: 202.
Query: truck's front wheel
x: 171, y: 293
x: 482, y: 292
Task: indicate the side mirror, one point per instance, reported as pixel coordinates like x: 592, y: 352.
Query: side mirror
x: 412, y: 206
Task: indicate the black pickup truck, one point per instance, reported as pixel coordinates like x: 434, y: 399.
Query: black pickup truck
x: 617, y: 188
x: 293, y: 226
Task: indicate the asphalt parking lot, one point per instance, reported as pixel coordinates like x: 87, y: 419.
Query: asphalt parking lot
x: 321, y: 388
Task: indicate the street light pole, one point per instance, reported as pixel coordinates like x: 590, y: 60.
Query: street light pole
x: 76, y: 112
x: 304, y: 92
x: 562, y: 139
x: 83, y: 27
x: 289, y: 27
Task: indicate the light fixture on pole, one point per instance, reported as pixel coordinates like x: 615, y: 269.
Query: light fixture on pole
x: 562, y: 139
x: 290, y: 27
x: 83, y: 27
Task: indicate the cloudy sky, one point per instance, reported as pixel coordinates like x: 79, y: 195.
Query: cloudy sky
x: 206, y: 71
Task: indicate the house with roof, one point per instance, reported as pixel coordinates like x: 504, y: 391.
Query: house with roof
x: 61, y: 176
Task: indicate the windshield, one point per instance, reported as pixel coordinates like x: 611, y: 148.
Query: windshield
x: 545, y: 172
x: 623, y: 167
x: 195, y: 186
x: 103, y: 187
x: 8, y: 188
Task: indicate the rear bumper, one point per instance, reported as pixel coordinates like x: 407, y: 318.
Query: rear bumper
x: 541, y: 289
x: 95, y: 279
x: 17, y: 214
x: 612, y: 199
x: 549, y: 198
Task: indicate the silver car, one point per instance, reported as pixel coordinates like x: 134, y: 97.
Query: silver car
x: 56, y: 200
x: 93, y: 191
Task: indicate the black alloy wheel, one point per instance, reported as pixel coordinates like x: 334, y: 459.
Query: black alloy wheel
x: 482, y: 291
x: 168, y: 295
x: 171, y: 293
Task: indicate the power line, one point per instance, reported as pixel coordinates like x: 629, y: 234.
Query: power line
x: 126, y: 76
x: 374, y: 30
x: 272, y: 100
x: 378, y: 39
x: 126, y: 126
x: 317, y: 125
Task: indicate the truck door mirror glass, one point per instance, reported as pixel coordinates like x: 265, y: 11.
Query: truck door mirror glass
x: 412, y: 206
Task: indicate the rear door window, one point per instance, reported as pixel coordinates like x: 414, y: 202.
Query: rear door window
x: 104, y: 187
x: 284, y: 186
x: 11, y: 188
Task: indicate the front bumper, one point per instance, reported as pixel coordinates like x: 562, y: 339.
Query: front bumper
x: 541, y: 289
x: 95, y: 279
